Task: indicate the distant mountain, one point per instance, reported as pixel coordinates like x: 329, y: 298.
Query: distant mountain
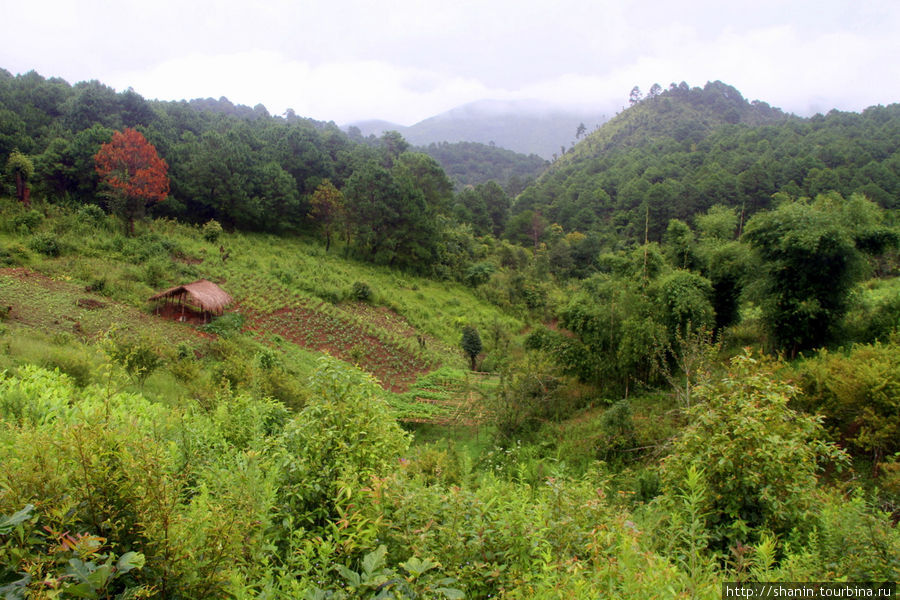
x: 375, y: 127
x: 527, y: 127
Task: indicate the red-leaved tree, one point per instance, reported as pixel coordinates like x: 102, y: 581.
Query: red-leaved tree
x: 133, y: 174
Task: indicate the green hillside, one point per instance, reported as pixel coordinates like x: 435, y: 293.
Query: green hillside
x: 471, y: 163
x: 676, y: 154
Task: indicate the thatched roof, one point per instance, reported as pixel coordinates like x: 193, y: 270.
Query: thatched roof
x: 205, y: 294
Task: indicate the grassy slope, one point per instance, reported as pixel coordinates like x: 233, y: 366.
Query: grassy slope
x: 294, y: 298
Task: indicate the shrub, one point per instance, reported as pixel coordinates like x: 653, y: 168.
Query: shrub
x: 859, y: 396
x: 46, y: 244
x: 91, y: 214
x: 28, y: 222
x: 345, y: 434
x: 226, y: 325
x: 73, y: 364
x: 479, y: 273
x: 156, y: 272
x: 139, y: 357
x: 361, y: 291
x: 211, y: 231
x: 756, y: 458
x: 13, y: 255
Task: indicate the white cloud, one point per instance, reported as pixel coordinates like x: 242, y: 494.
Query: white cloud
x: 341, y: 92
x: 404, y: 60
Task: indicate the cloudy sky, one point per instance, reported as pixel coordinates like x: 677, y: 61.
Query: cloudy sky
x: 405, y: 60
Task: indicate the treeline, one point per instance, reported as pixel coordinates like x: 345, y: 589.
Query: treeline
x: 676, y: 153
x: 252, y: 171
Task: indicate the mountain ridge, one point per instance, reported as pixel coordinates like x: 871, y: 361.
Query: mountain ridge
x: 523, y: 126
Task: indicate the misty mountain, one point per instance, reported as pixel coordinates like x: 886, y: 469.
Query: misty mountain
x: 527, y: 127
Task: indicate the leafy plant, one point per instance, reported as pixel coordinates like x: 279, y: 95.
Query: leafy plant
x: 211, y: 231
x: 46, y: 244
x: 361, y: 291
x: 758, y: 458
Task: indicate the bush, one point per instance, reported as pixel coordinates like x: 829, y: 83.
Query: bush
x: 859, y: 396
x: 46, y: 244
x: 361, y: 291
x: 14, y: 255
x: 28, y: 222
x: 211, y: 231
x: 91, y: 214
x: 139, y: 357
x: 73, y: 364
x: 755, y: 458
x: 226, y: 325
x: 345, y: 434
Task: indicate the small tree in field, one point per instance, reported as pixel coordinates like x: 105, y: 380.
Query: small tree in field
x: 133, y: 173
x: 327, y: 209
x: 471, y: 343
x: 20, y: 169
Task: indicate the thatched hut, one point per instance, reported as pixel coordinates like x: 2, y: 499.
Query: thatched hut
x: 200, y: 296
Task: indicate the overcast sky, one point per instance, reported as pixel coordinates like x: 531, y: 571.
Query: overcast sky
x: 404, y: 60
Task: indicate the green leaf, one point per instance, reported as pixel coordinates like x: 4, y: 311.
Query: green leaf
x: 129, y: 561
x: 352, y: 577
x: 416, y: 567
x: 79, y: 569
x: 99, y: 578
x: 8, y: 523
x: 373, y: 561
x: 451, y: 593
x: 82, y: 590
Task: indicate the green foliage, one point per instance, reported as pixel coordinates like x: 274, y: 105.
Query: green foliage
x: 858, y: 394
x: 91, y: 214
x: 211, y: 231
x: 685, y: 299
x: 226, y: 325
x: 757, y: 458
x: 471, y: 344
x: 46, y: 244
x: 76, y: 566
x: 529, y: 392
x: 418, y: 578
x: 689, y: 149
x: 810, y: 263
x: 471, y: 164
x: 138, y: 356
x: 361, y: 292
x: 29, y: 221
x: 852, y: 539
x: 343, y: 436
x: 19, y: 164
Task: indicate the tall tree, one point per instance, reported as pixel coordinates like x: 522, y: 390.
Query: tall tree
x: 133, y: 174
x: 811, y: 259
x: 634, y: 96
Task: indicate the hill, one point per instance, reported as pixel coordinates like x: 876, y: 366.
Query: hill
x: 680, y: 152
x: 526, y: 127
x: 292, y: 302
x: 472, y: 163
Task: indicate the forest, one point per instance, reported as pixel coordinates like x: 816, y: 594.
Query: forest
x: 666, y: 361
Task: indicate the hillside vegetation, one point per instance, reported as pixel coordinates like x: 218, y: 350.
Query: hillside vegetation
x: 678, y: 153
x: 620, y: 383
